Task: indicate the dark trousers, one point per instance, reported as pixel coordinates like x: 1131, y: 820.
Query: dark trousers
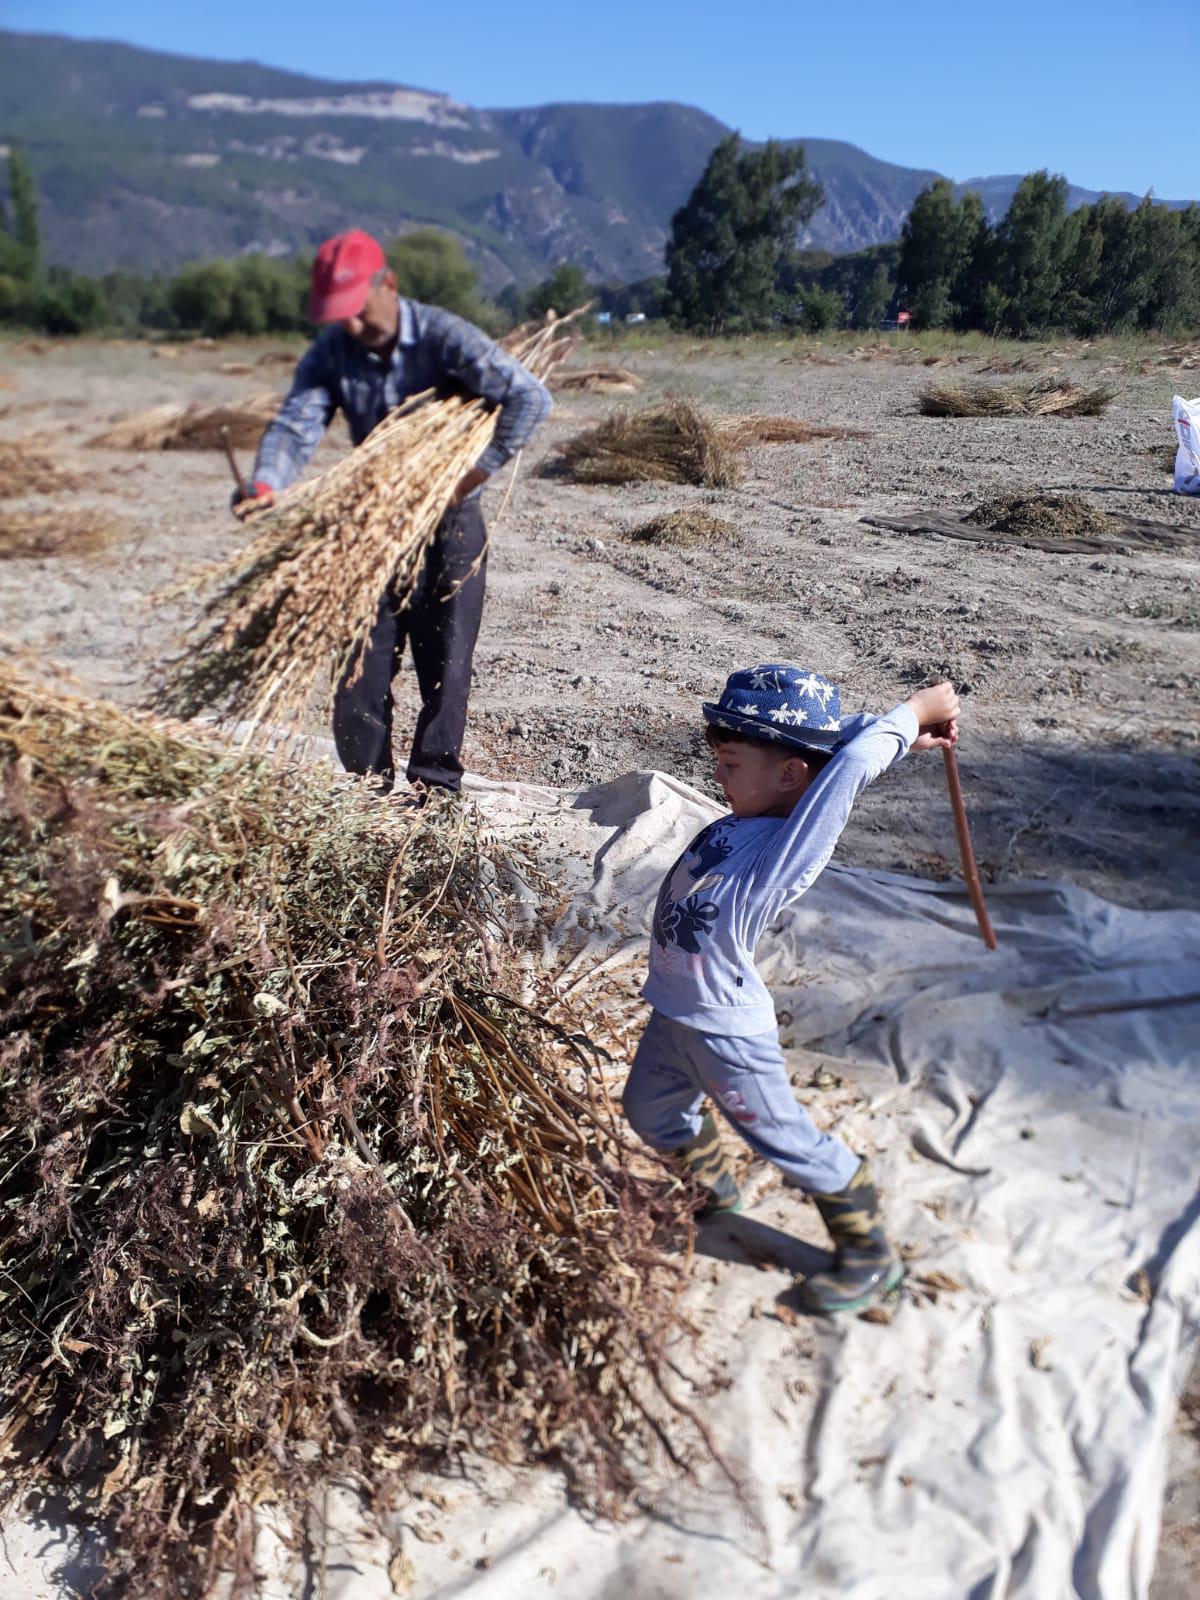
x: 441, y: 623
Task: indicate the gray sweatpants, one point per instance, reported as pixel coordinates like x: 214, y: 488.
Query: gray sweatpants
x: 677, y: 1067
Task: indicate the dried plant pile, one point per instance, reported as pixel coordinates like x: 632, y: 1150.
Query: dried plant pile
x: 24, y: 469
x: 1049, y: 397
x: 288, y: 1184
x: 683, y: 529
x: 597, y: 380
x: 670, y: 443
x: 30, y: 534
x: 194, y: 427
x: 294, y: 607
x: 1067, y: 516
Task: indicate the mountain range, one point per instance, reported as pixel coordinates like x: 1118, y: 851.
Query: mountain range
x: 145, y: 160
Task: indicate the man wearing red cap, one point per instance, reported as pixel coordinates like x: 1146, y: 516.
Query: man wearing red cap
x: 377, y: 349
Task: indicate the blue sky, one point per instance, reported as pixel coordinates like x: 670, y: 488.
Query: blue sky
x: 1090, y: 90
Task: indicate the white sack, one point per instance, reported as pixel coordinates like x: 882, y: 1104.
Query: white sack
x: 1186, y: 416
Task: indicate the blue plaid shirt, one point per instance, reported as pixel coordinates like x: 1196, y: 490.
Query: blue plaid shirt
x: 434, y: 350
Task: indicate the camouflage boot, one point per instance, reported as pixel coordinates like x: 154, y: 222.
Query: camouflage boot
x: 864, y: 1268
x: 706, y: 1161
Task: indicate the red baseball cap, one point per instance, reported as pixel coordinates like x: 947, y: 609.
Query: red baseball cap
x: 341, y: 275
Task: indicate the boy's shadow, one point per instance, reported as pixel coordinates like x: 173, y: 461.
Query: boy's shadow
x: 749, y: 1242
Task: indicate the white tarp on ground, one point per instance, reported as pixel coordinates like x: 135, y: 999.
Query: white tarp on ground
x: 1002, y: 1438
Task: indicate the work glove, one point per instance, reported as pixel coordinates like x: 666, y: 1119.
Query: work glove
x: 261, y: 497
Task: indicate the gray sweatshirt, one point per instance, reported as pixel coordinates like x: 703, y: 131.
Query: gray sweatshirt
x: 739, y: 873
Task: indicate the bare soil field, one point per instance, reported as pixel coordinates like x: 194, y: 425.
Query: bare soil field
x: 1079, y: 670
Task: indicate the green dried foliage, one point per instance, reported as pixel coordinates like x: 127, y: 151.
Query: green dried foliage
x: 1066, y: 516
x: 1050, y: 397
x: 288, y: 1182
x: 683, y: 529
x: 670, y: 443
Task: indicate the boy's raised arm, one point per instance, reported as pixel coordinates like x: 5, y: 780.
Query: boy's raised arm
x: 799, y: 853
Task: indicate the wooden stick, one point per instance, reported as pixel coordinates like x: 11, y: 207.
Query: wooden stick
x: 243, y: 491
x: 970, y: 870
x: 1154, y: 1003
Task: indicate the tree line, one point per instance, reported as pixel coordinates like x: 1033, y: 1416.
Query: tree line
x: 1100, y: 269
x: 732, y: 266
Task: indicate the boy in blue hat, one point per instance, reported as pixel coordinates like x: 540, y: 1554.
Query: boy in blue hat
x: 791, y: 768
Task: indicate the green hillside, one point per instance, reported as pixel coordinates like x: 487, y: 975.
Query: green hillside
x: 145, y: 160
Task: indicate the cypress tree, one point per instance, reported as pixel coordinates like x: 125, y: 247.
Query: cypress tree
x: 728, y: 241
x: 944, y: 257
x: 1031, y: 246
x: 23, y: 199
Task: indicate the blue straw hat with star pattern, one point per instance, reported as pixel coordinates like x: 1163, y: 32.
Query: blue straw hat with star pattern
x: 780, y: 703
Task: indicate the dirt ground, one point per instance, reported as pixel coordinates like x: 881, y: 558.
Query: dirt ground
x: 1079, y: 672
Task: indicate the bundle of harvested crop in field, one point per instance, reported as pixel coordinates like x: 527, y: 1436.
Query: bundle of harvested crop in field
x: 741, y: 433
x: 597, y: 380
x: 290, y: 1185
x: 29, y: 534
x: 194, y: 427
x: 25, y: 469
x: 296, y: 605
x: 677, y: 443
x: 1050, y: 397
x: 670, y: 443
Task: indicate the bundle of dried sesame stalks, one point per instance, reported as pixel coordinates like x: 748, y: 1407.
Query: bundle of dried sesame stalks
x: 289, y: 1183
x: 292, y: 610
